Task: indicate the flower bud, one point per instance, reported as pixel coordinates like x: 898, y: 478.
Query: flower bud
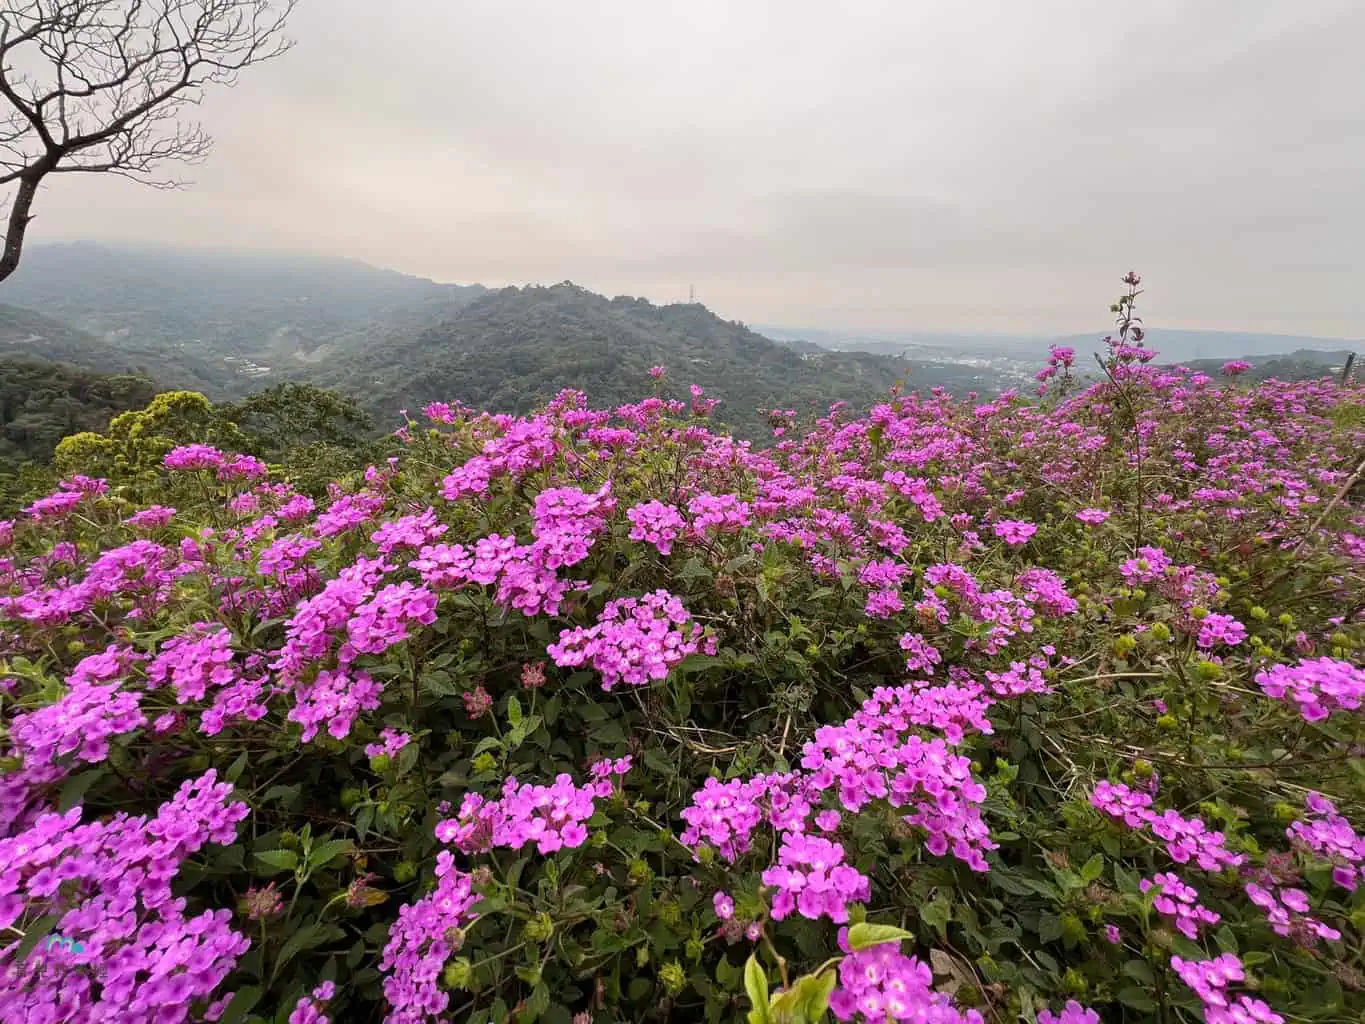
x: 673, y: 976
x: 457, y: 973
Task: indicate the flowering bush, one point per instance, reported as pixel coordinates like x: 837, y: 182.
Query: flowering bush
x: 957, y: 711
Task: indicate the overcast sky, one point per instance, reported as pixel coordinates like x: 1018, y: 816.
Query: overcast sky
x: 907, y: 164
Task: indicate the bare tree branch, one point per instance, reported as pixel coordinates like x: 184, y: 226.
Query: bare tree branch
x: 98, y: 87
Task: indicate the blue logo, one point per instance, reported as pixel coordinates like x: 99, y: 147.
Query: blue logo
x: 67, y: 945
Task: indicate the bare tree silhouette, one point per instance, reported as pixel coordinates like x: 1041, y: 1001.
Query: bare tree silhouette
x: 99, y: 86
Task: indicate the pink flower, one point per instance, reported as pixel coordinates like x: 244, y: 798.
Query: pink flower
x: 724, y: 906
x: 1014, y: 532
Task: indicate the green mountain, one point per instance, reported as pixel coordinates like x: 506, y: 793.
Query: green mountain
x: 230, y: 323
x: 223, y: 322
x: 517, y: 347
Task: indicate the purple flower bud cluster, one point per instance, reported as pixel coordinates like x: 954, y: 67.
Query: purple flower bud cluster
x: 1318, y: 686
x: 635, y: 640
x: 1180, y: 902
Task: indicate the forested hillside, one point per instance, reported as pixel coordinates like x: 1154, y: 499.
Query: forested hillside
x: 514, y: 349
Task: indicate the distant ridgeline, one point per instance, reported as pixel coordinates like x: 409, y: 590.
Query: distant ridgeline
x: 229, y: 324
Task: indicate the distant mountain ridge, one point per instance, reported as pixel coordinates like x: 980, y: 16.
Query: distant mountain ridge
x: 231, y: 323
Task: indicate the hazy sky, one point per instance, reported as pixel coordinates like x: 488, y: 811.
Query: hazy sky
x: 916, y: 163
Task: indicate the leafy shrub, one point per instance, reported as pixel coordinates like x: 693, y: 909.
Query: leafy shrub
x: 1038, y: 710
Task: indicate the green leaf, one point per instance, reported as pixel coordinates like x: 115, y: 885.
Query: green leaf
x: 1049, y: 927
x: 34, y: 934
x: 280, y: 860
x: 863, y: 935
x: 242, y: 1001
x: 307, y: 937
x: 536, y: 1004
x: 937, y: 915
x: 756, y: 987
x: 1227, y: 942
x: 1137, y: 998
x: 1140, y: 971
x: 1092, y: 869
x: 818, y: 989
x: 75, y: 788
x: 323, y: 853
x: 513, y: 710
x: 1125, y: 880
x: 238, y: 766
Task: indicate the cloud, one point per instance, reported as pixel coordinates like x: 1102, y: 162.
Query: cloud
x: 890, y: 165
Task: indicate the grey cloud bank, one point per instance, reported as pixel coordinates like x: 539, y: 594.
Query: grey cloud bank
x: 983, y: 166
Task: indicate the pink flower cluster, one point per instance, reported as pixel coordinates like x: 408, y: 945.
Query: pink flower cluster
x: 719, y: 513
x: 1014, y: 532
x: 724, y: 815
x: 192, y: 457
x: 635, y: 640
x: 1209, y: 980
x: 142, y: 959
x: 408, y: 531
x: 1180, y: 902
x: 427, y: 933
x: 391, y: 741
x: 656, y: 523
x: 151, y: 517
x: 309, y: 1009
x: 1217, y: 629
x: 1287, y: 911
x: 882, y: 984
x: 1186, y: 838
x: 551, y: 816
x: 1318, y: 686
x: 811, y: 878
x: 566, y: 522
x: 1072, y: 1013
x: 1330, y: 837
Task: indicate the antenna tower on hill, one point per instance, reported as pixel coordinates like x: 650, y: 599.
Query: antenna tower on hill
x: 691, y: 293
